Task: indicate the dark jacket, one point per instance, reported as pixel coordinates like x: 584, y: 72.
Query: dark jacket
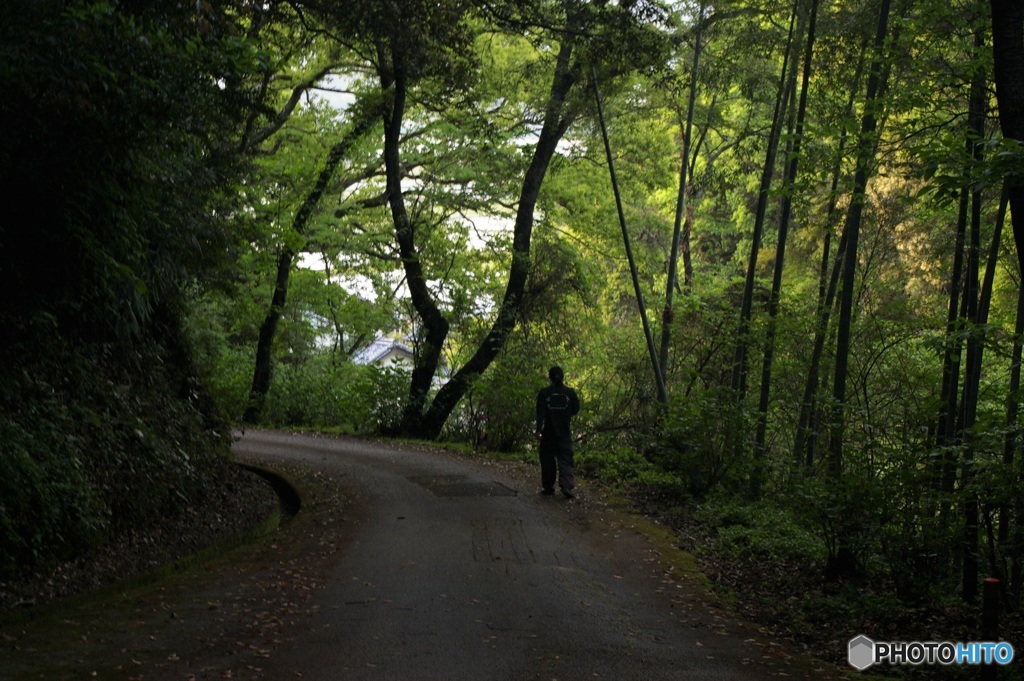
x: 556, y: 405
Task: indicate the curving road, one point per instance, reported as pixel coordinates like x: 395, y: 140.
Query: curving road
x: 455, y: 571
x: 408, y: 563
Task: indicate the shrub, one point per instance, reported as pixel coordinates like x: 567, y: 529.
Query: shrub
x: 49, y: 510
x: 320, y: 393
x: 95, y: 441
x: 498, y: 410
x: 698, y: 442
x: 762, y: 531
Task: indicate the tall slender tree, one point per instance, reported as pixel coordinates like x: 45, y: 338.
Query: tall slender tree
x: 659, y: 375
x: 806, y: 441
x: 681, y: 209
x: 786, y: 78
x: 866, y: 145
x: 796, y: 130
x: 976, y: 313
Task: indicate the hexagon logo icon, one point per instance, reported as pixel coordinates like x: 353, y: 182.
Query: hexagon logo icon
x: 861, y: 653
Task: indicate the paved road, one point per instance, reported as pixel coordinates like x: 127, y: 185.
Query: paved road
x: 407, y: 563
x: 456, y: 572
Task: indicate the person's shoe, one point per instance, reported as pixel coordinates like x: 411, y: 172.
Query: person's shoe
x: 568, y: 493
x: 547, y: 491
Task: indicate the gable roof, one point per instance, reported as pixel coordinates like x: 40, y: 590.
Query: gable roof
x: 379, y: 349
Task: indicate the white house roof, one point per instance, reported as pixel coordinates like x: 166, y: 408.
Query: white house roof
x: 379, y: 349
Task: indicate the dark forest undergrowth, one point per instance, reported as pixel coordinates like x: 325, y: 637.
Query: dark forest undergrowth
x: 112, y: 461
x: 760, y: 565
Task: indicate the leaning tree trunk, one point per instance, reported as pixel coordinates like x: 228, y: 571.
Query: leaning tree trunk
x: 556, y: 122
x: 263, y: 369
x: 365, y: 114
x: 659, y: 376
x: 435, y: 325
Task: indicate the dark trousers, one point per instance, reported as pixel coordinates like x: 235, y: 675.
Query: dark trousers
x: 556, y: 459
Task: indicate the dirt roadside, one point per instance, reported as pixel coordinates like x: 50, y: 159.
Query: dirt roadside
x: 231, y: 598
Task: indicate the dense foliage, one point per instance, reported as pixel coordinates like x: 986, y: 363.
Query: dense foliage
x: 115, y: 164
x: 818, y: 198
x: 819, y: 386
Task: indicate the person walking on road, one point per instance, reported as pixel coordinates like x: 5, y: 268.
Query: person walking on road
x: 556, y: 405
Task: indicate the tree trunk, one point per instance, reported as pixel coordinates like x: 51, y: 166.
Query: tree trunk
x: 264, y: 366
x: 965, y: 418
x: 851, y: 231
x: 682, y: 214
x: 740, y: 358
x: 694, y: 194
x: 365, y: 115
x: 796, y: 133
x: 659, y: 376
x: 951, y: 360
x: 806, y: 442
x: 556, y: 122
x: 843, y: 560
x: 977, y: 314
x: 435, y: 326
x: 972, y: 382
